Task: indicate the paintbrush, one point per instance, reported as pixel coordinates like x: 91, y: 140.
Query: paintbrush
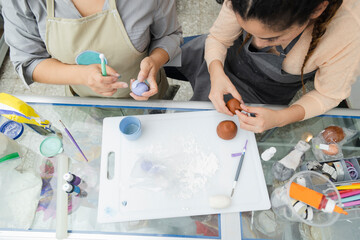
x: 238, y: 169
x: 73, y: 140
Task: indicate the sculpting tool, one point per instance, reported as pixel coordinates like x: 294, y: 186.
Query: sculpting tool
x: 103, y: 65
x: 238, y: 169
x: 73, y: 140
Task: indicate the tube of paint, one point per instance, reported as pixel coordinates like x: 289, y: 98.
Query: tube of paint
x: 314, y: 199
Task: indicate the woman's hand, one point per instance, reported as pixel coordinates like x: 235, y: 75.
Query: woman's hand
x: 103, y: 85
x: 220, y: 86
x: 267, y: 118
x: 149, y: 68
x: 148, y: 71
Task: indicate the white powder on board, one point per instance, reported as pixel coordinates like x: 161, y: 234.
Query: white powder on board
x: 189, y: 165
x: 193, y: 173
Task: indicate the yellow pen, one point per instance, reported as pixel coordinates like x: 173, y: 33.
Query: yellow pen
x: 349, y: 187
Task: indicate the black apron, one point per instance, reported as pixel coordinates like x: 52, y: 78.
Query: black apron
x: 256, y: 74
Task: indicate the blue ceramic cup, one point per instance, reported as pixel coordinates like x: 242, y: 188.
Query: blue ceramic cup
x: 130, y: 127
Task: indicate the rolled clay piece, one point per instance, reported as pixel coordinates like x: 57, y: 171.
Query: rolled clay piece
x: 219, y: 201
x: 226, y: 130
x: 233, y: 104
x: 333, y: 149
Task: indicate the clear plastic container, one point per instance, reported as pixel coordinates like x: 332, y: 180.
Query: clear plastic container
x: 289, y: 209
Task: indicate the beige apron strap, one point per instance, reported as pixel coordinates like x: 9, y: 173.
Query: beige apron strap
x: 50, y: 8
x: 112, y: 4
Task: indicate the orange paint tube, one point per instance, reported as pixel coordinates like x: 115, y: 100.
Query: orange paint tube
x: 314, y: 199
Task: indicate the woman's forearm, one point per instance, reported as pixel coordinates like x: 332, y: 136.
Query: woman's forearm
x: 292, y: 114
x: 159, y: 56
x: 52, y: 71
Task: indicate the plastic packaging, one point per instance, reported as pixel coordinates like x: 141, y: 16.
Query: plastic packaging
x: 150, y: 175
x: 330, y: 148
x: 9, y: 149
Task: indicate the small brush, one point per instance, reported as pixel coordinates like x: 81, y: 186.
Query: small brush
x: 238, y: 169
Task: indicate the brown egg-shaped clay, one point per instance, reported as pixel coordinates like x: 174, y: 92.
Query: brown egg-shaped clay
x: 226, y: 130
x: 333, y: 134
x: 233, y: 104
x: 333, y: 150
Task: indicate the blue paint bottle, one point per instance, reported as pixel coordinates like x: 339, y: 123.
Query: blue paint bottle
x: 73, y: 189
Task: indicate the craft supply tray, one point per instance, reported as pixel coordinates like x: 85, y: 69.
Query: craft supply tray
x: 355, y: 161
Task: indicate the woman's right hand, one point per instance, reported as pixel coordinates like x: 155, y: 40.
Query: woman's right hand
x: 103, y: 85
x: 220, y: 86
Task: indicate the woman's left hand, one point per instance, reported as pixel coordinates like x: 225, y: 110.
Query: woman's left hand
x: 264, y: 119
x: 148, y: 71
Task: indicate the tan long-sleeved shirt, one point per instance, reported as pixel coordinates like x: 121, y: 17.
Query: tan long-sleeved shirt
x: 337, y: 56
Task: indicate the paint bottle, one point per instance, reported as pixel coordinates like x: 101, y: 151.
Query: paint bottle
x: 73, y: 189
x: 314, y: 199
x: 74, y: 180
x: 12, y: 129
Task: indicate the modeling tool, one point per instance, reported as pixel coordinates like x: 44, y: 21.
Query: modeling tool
x: 238, y: 169
x: 103, y: 65
x: 314, y: 199
x: 73, y: 140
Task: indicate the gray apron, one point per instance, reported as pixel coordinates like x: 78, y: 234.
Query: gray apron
x: 256, y: 73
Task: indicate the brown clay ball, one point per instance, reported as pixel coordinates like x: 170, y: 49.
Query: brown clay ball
x: 233, y: 104
x: 333, y: 150
x: 226, y: 130
x: 333, y: 134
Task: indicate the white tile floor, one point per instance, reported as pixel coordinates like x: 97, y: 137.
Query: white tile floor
x: 195, y: 16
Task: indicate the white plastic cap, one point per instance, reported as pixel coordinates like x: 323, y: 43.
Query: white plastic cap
x: 268, y: 154
x: 67, y: 177
x: 330, y: 206
x: 101, y: 56
x: 67, y: 187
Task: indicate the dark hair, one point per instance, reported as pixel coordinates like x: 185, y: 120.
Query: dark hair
x: 279, y: 15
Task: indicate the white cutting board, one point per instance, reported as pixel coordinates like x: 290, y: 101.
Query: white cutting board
x: 171, y: 139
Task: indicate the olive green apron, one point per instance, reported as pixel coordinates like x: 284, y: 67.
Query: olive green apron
x: 102, y: 32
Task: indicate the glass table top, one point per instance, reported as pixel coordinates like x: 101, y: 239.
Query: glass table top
x: 84, y: 119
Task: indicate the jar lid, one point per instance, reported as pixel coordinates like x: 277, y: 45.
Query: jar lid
x: 12, y: 129
x: 51, y: 146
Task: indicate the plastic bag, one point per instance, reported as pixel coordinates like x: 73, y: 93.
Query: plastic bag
x: 150, y: 175
x: 330, y: 148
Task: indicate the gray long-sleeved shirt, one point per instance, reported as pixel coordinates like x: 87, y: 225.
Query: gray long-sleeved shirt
x: 149, y: 24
